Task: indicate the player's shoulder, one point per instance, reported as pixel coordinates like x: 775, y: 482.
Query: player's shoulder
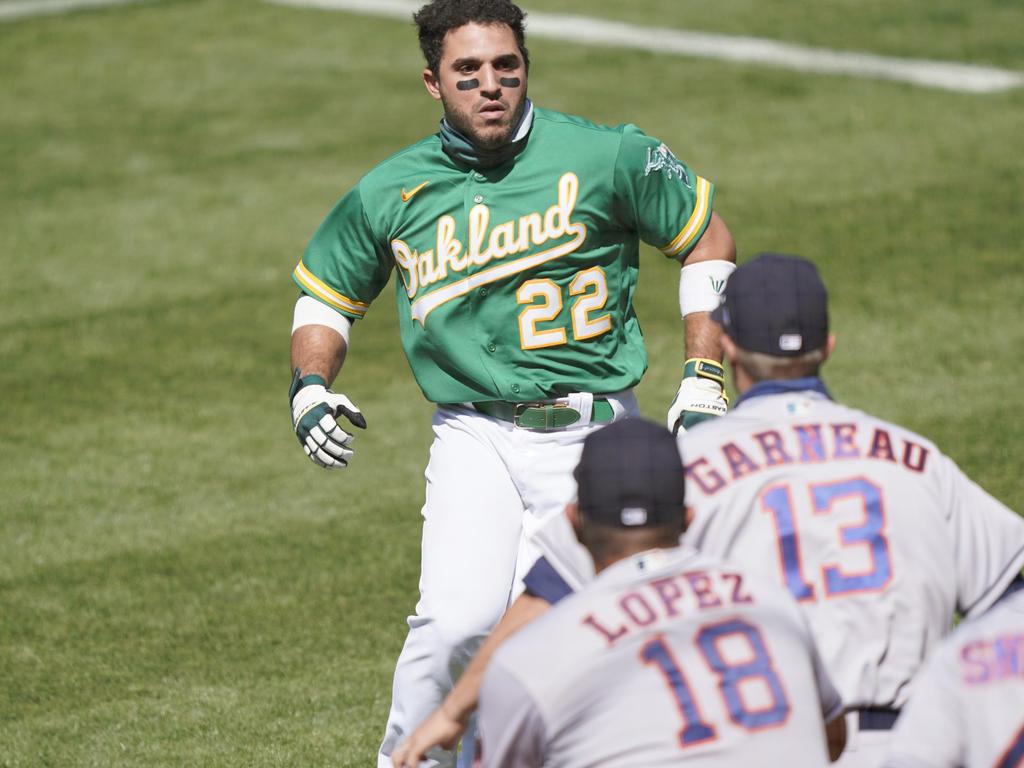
x: 1007, y: 612
x: 741, y: 583
x: 734, y: 586
x: 412, y: 161
x: 973, y: 652
x: 797, y: 408
x: 560, y: 120
x: 858, y: 416
x: 583, y: 129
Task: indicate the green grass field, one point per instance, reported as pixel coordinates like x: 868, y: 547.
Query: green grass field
x: 178, y: 584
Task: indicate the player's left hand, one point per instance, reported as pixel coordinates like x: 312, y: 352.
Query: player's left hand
x: 315, y: 410
x: 701, y: 395
x: 438, y: 730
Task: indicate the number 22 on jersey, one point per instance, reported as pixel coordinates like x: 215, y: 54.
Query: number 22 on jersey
x: 863, y: 539
x: 590, y: 287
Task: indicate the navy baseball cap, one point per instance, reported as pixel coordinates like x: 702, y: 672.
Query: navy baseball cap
x: 630, y: 475
x: 775, y: 304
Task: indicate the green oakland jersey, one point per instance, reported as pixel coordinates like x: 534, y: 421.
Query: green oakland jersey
x: 514, y: 283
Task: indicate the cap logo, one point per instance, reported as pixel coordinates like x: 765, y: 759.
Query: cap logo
x: 634, y: 516
x: 790, y: 342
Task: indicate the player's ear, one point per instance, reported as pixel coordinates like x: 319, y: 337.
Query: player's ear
x: 432, y: 84
x: 830, y: 347
x: 728, y: 348
x: 572, y: 511
x: 687, y: 517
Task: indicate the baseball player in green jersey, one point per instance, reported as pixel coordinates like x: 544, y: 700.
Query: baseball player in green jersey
x: 514, y: 234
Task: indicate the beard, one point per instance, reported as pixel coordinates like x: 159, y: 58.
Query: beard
x: 496, y: 134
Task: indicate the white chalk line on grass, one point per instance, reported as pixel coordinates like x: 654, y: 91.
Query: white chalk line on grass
x: 20, y: 9
x: 583, y: 29
x: 750, y: 50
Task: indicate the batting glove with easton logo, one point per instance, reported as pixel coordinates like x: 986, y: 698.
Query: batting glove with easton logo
x: 315, y: 410
x: 701, y: 395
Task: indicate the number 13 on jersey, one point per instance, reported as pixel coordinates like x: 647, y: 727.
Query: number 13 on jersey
x: 862, y: 540
x: 590, y: 290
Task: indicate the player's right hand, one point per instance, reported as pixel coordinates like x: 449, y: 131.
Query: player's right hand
x: 438, y: 730
x: 315, y: 410
x: 701, y: 395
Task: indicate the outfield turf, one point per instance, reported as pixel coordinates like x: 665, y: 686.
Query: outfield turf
x: 178, y: 584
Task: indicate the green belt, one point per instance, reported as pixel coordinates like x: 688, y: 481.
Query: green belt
x: 543, y: 416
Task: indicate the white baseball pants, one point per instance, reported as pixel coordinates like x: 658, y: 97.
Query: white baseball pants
x: 490, y: 484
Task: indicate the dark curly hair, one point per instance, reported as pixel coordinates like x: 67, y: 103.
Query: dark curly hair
x: 438, y: 17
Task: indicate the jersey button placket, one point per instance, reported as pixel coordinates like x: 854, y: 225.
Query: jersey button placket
x: 472, y: 194
x: 492, y: 348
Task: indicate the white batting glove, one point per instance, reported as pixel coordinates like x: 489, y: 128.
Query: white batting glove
x: 315, y: 410
x: 701, y: 395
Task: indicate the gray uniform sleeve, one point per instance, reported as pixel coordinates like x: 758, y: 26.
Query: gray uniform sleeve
x: 512, y: 730
x: 989, y: 541
x: 930, y: 730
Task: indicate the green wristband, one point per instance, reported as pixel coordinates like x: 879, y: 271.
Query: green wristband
x: 705, y: 369
x: 298, y: 383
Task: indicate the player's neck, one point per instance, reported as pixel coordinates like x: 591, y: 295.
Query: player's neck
x: 463, y: 149
x: 742, y: 380
x: 784, y: 387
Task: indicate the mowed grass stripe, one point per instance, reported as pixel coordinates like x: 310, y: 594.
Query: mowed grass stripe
x: 587, y: 30
x: 227, y: 649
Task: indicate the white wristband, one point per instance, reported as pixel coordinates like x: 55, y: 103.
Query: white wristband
x: 701, y: 285
x: 309, y: 311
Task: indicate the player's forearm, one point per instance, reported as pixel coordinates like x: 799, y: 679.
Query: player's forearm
x: 703, y: 337
x: 317, y: 349
x: 463, y: 698
x: 702, y: 334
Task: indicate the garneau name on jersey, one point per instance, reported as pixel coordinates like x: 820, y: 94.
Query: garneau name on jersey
x: 803, y: 444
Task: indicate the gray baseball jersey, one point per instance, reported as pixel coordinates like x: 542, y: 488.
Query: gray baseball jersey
x: 968, y: 703
x: 878, y: 535
x: 666, y: 657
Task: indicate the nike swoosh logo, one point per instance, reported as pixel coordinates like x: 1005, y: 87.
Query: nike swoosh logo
x: 407, y: 196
